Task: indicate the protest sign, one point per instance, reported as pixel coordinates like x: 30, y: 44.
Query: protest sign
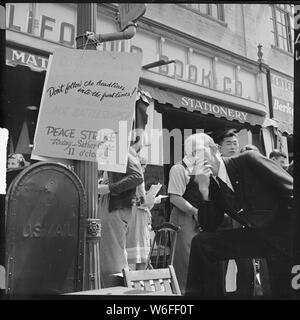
x: 87, y: 107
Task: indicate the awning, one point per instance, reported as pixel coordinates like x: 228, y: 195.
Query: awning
x: 34, y: 62
x: 285, y: 127
x: 281, y: 126
x: 203, y: 106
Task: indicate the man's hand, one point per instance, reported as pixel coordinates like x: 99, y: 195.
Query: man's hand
x: 103, y: 189
x: 202, y: 176
x: 149, y: 201
x: 158, y: 198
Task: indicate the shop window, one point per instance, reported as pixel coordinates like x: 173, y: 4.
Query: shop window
x: 214, y: 10
x: 282, y: 25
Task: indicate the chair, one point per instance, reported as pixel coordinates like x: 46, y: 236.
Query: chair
x: 159, y: 280
x: 163, y: 246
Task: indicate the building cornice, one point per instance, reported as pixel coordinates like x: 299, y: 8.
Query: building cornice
x: 160, y: 29
x: 280, y: 73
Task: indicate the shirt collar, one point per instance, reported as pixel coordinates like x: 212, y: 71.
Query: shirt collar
x: 132, y: 151
x: 189, y: 164
x: 223, y: 175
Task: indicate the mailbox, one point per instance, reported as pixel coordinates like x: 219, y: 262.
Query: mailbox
x: 45, y: 213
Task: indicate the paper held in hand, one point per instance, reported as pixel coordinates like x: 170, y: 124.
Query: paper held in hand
x: 153, y: 191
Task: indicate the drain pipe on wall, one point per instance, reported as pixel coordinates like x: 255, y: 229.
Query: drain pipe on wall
x: 128, y: 33
x: 263, y: 67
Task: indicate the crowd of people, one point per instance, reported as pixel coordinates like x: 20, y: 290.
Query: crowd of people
x: 230, y: 203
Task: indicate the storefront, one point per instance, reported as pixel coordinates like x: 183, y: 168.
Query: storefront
x: 33, y: 31
x: 188, y: 98
x: 24, y: 78
x: 203, y: 88
x: 180, y: 114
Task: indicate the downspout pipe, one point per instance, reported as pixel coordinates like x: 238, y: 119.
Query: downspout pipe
x: 265, y: 68
x: 128, y: 33
x: 270, y: 91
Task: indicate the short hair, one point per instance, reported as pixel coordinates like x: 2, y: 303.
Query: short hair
x: 276, y: 154
x: 249, y: 147
x: 226, y: 134
x: 194, y: 141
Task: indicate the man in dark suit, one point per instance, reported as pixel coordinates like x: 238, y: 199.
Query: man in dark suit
x: 256, y: 192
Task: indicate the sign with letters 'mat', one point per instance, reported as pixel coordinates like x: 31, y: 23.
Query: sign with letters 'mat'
x: 87, y: 107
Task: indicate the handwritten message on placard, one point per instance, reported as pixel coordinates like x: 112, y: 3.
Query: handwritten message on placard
x: 86, y: 95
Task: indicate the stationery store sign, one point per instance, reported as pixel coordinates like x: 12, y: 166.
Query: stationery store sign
x: 86, y: 95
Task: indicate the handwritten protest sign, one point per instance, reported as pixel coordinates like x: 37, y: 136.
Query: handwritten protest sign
x: 87, y: 107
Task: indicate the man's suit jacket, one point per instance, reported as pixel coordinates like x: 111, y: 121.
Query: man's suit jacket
x: 263, y: 190
x: 122, y: 186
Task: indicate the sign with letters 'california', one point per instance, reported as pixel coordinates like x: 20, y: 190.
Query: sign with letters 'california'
x: 87, y: 107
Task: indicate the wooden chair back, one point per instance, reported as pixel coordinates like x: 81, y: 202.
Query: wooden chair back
x: 163, y: 280
x: 163, y: 246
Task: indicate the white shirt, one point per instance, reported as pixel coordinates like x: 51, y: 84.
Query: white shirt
x: 223, y: 175
x: 179, y: 177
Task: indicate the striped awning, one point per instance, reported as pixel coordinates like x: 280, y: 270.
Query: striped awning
x: 204, y: 106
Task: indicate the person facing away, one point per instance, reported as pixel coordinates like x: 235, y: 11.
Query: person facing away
x: 279, y: 157
x: 121, y: 190
x: 138, y: 242
x: 116, y: 215
x: 184, y: 198
x: 264, y: 192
